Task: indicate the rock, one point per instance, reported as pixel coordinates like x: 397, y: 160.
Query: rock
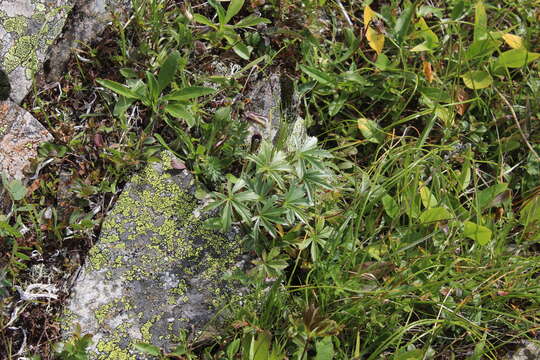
x: 273, y: 112
x: 527, y: 351
x: 87, y: 21
x: 154, y: 271
x: 27, y: 29
x: 20, y: 136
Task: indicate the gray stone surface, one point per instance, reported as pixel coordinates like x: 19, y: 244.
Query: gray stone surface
x: 20, y: 136
x: 27, y: 29
x: 273, y: 112
x: 527, y: 351
x: 88, y: 19
x: 155, y: 269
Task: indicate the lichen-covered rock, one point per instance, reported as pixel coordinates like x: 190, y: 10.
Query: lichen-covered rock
x: 87, y: 21
x: 27, y: 29
x: 20, y: 136
x: 155, y: 269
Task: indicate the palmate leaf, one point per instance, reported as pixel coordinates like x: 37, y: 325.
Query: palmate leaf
x: 313, y: 180
x: 270, y: 215
x: 272, y: 164
x: 295, y: 202
x: 310, y: 154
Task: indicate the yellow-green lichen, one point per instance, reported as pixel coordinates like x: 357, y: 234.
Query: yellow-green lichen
x: 16, y: 24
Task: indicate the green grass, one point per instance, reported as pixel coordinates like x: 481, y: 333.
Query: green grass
x: 410, y: 231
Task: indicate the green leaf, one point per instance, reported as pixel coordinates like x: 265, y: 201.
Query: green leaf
x: 465, y: 176
x: 168, y: 70
x: 530, y: 213
x: 371, y: 130
x: 478, y: 233
x: 486, y: 197
x: 180, y: 111
x: 148, y: 349
x: 153, y: 87
x: 325, y: 349
x: 435, y: 214
x: 234, y: 8
x: 428, y: 199
x: 516, y: 58
x: 232, y: 349
x: 188, y: 93
x: 390, y: 206
x: 403, y: 23
x: 477, y: 79
x: 458, y: 10
x: 318, y: 75
x: 16, y: 189
x: 8, y: 229
x: 251, y: 20
x: 242, y: 50
x: 480, y: 22
x: 481, y: 48
x: 118, y: 88
x: 203, y: 20
x: 220, y: 11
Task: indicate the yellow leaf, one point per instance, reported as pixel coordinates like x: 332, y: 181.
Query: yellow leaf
x: 514, y: 41
x: 368, y: 16
x: 428, y: 71
x: 375, y: 39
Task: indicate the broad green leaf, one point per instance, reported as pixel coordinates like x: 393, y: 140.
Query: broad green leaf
x: 16, y: 189
x: 375, y: 40
x: 153, y: 87
x: 251, y: 20
x: 188, y: 93
x: 390, y: 206
x: 371, y: 130
x: 242, y: 50
x: 514, y: 41
x: 148, y: 349
x: 478, y: 233
x: 180, y: 111
x: 325, y: 349
x: 318, y: 75
x: 428, y: 199
x: 516, y: 58
x: 480, y: 22
x: 435, y: 214
x: 233, y: 348
x: 431, y: 40
x: 486, y: 197
x: 458, y: 10
x: 118, y: 88
x: 168, y: 70
x: 403, y: 23
x: 203, y: 20
x: 477, y: 79
x: 481, y: 48
x: 234, y: 8
x: 220, y: 11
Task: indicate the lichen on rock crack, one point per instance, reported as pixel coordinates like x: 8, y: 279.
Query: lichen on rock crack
x: 155, y: 269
